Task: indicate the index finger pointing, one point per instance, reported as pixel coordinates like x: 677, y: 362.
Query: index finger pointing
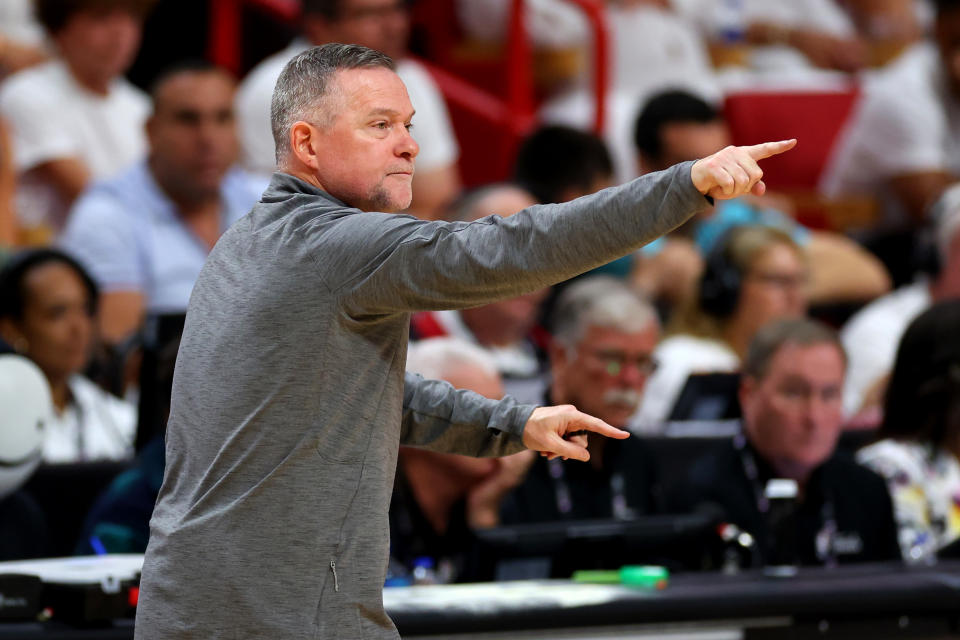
x: 589, y: 423
x: 767, y: 149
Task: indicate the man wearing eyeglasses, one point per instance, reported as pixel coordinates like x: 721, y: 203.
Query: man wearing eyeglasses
x: 600, y: 358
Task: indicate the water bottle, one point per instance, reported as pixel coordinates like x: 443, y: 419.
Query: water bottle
x: 424, y: 571
x: 730, y: 21
x: 783, y: 557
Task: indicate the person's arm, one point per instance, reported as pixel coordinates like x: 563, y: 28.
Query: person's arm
x: 438, y: 417
x: 918, y: 190
x: 99, y: 235
x: 399, y: 264
x: 8, y: 215
x: 484, y: 499
x: 69, y: 176
x: 842, y: 270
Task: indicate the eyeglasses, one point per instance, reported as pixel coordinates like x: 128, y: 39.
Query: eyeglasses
x: 614, y: 362
x: 781, y: 280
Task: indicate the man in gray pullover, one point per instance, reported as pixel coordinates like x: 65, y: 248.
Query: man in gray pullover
x: 289, y: 397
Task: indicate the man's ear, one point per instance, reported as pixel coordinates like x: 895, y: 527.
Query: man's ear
x: 303, y: 143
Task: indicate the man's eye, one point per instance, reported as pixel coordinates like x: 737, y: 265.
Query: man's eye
x: 382, y: 125
x: 409, y: 126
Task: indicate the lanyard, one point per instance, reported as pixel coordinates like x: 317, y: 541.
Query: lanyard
x: 826, y: 535
x: 564, y: 499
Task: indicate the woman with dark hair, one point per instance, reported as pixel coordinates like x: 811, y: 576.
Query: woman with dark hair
x: 919, y: 448
x: 48, y: 303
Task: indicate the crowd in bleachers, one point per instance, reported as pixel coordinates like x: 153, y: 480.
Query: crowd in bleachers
x: 785, y: 339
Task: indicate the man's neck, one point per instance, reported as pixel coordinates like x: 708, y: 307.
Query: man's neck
x: 94, y: 83
x: 306, y: 176
x: 60, y: 393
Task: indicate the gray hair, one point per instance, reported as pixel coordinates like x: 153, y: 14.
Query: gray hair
x: 439, y: 358
x: 303, y: 85
x: 599, y: 301
x: 773, y: 336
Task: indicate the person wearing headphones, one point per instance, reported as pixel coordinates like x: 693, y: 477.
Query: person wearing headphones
x: 755, y: 274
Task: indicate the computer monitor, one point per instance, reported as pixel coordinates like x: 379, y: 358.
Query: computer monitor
x: 708, y: 396
x: 557, y: 549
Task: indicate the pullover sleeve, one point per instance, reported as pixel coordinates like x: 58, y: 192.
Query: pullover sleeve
x: 399, y: 264
x: 439, y: 417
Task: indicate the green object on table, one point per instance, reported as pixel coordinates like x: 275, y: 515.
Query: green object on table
x: 646, y: 576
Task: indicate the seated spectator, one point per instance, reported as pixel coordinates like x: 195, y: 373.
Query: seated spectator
x: 791, y: 399
x: 21, y: 37
x: 651, y: 49
x: 439, y: 498
x: 899, y: 145
x: 57, y: 150
x: 507, y: 330
x: 753, y: 276
x: 48, y: 306
x: 601, y: 355
x: 24, y: 403
x: 919, y: 445
x: 145, y: 234
x: 557, y: 164
x: 786, y: 35
x: 676, y: 126
x: 383, y: 25
x: 870, y: 337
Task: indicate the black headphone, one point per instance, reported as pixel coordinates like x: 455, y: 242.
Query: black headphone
x: 721, y: 279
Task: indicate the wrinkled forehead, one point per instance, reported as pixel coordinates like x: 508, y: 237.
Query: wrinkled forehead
x: 365, y: 92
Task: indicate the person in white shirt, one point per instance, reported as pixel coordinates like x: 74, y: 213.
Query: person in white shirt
x: 785, y: 34
x: 48, y: 305
x: 651, y: 49
x: 902, y: 145
x: 755, y: 275
x: 382, y: 25
x: 870, y: 336
x: 75, y: 118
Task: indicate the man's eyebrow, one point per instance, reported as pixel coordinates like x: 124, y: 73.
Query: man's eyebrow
x: 385, y: 111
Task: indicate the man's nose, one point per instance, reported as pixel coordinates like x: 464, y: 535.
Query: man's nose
x: 407, y: 147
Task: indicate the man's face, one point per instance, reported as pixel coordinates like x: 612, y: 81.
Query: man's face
x: 605, y: 375
x: 683, y: 141
x: 368, y: 152
x: 100, y: 44
x: 383, y: 25
x: 193, y: 140
x: 793, y: 415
